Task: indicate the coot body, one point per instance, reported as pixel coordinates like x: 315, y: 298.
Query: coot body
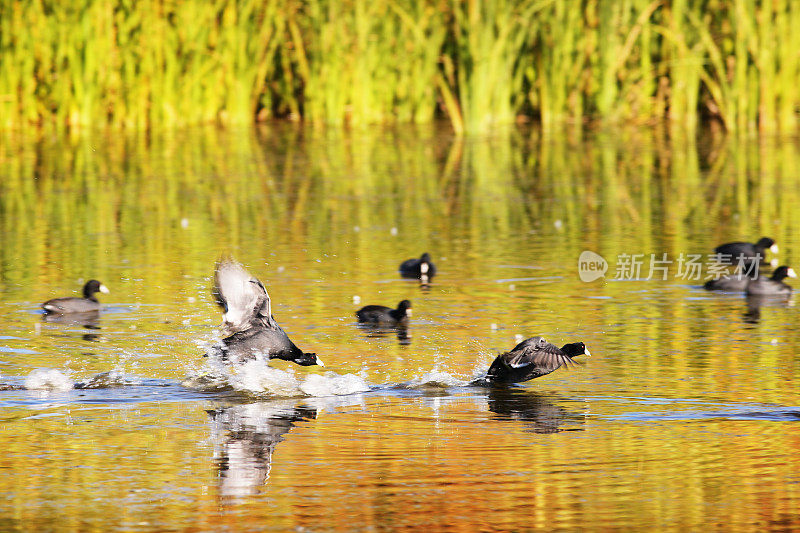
x: 731, y: 252
x: 381, y: 315
x: 773, y: 285
x: 733, y: 283
x: 265, y: 340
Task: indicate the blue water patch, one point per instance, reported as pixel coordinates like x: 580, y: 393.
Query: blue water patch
x: 148, y: 391
x: 8, y: 349
x: 779, y: 415
x: 692, y: 409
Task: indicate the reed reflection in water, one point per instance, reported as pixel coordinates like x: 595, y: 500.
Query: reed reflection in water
x: 684, y: 417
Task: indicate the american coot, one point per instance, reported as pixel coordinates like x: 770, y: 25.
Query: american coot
x: 385, y: 316
x: 249, y: 326
x: 532, y: 358
x: 421, y: 268
x: 732, y: 283
x: 77, y: 305
x: 747, y: 250
x: 774, y: 285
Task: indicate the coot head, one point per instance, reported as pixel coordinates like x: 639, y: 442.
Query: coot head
x: 93, y: 286
x: 765, y: 243
x: 783, y: 272
x: 404, y: 307
x: 425, y: 270
x: 575, y: 349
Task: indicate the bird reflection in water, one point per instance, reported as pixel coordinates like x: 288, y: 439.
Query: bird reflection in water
x: 540, y: 412
x: 373, y: 332
x: 89, y: 320
x: 756, y: 302
x: 245, y: 437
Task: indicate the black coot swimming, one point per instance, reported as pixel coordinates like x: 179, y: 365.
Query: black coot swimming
x: 748, y: 251
x: 421, y: 268
x: 774, y: 285
x: 532, y: 358
x: 381, y: 315
x: 72, y: 304
x: 249, y: 326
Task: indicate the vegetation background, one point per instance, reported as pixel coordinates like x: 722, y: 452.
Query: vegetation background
x: 476, y: 62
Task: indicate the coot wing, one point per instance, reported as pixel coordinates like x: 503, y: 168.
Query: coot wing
x: 240, y: 295
x: 539, y: 353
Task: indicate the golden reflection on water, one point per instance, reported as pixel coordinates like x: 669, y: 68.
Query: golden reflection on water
x: 685, y: 417
x: 391, y: 464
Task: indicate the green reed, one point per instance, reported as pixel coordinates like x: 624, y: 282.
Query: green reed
x: 364, y: 62
x: 478, y: 63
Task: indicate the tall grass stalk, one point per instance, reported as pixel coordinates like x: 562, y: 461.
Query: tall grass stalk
x: 488, y: 36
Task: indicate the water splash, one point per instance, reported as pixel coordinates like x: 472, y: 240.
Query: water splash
x: 333, y: 384
x: 436, y: 379
x: 257, y: 378
x: 48, y: 379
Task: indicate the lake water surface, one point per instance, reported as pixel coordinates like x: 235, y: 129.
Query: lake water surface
x: 687, y: 416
